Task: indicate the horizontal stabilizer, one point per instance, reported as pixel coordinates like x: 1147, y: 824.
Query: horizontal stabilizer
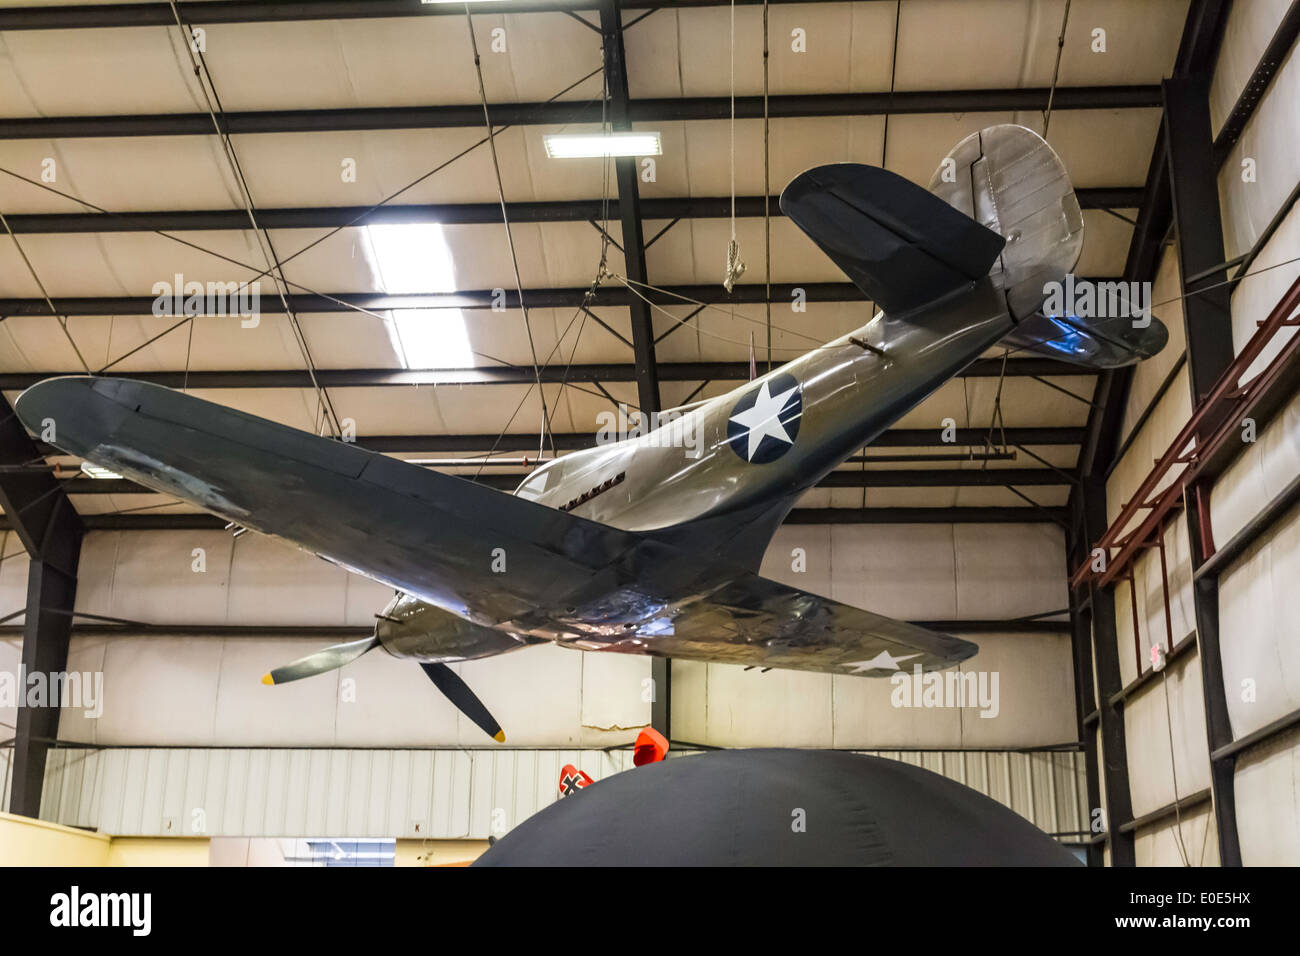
x: 1090, y: 343
x: 901, y: 245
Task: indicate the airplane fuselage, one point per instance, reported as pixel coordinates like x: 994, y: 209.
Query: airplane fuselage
x: 763, y: 444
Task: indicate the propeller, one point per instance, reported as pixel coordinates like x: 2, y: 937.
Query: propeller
x: 334, y: 656
x: 443, y: 677
x: 458, y: 692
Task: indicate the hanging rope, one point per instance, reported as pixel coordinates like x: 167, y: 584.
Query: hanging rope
x: 544, y: 431
x: 31, y: 269
x: 767, y: 189
x: 735, y: 267
x: 1060, y: 47
x: 274, y: 267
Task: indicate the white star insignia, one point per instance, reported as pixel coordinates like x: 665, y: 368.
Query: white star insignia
x: 883, y: 661
x: 765, y: 418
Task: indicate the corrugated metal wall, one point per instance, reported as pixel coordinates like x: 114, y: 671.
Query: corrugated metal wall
x: 434, y: 794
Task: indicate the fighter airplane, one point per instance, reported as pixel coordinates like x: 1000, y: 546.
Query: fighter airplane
x: 636, y: 546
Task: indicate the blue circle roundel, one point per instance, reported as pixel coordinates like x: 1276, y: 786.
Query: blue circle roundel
x: 765, y: 421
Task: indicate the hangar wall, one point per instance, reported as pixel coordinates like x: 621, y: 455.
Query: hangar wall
x: 1165, y: 725
x: 206, y: 691
x: 424, y: 794
x: 192, y: 705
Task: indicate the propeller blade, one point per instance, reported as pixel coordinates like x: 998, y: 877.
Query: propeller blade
x: 458, y: 692
x: 323, y: 660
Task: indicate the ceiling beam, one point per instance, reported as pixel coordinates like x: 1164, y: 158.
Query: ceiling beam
x: 848, y: 478
x: 562, y: 112
x: 454, y: 214
x: 157, y: 13
x: 493, y: 375
x: 963, y: 439
x: 629, y: 205
x: 1026, y: 515
x: 750, y: 293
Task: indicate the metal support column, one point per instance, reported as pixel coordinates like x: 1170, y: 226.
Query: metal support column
x: 1207, y: 319
x: 38, y: 510
x: 1101, y: 618
x: 643, y: 335
x: 1194, y: 187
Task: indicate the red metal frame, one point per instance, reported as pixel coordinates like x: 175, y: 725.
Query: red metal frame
x: 1213, y: 424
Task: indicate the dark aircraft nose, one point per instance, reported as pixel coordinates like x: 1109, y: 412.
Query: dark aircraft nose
x: 75, y: 413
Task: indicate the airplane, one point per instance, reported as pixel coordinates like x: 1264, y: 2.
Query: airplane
x: 639, y: 546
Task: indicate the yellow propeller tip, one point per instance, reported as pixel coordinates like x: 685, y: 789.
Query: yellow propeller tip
x: 268, y: 679
x: 499, y: 736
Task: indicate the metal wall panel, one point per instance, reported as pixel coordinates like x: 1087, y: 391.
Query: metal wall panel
x: 1267, y: 790
x: 430, y: 794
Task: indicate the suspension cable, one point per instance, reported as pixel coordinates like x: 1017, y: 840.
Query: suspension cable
x: 767, y: 199
x: 213, y: 103
x: 1056, y: 72
x: 510, y: 241
x: 63, y: 321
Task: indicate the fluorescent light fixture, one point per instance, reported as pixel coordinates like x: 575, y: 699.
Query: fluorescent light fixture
x: 97, y: 471
x: 413, y: 258
x: 582, y: 145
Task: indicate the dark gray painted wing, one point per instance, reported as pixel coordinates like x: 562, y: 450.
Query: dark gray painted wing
x: 425, y: 533
x: 752, y: 620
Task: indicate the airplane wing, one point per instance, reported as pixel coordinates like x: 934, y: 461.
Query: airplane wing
x: 464, y: 547
x: 758, y: 622
x: 444, y: 539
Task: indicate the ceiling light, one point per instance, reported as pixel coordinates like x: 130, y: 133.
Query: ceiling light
x: 580, y: 145
x: 433, y: 338
x: 413, y: 258
x: 97, y: 471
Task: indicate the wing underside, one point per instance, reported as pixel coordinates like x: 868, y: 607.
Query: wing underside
x: 755, y: 621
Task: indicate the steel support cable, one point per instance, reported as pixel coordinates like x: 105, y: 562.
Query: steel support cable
x: 510, y: 241
x: 1056, y: 72
x: 735, y: 267
x: 214, y: 107
x: 424, y: 176
x: 634, y: 287
x: 350, y: 306
x: 602, y: 267
x: 583, y: 307
x: 260, y: 274
x: 767, y: 196
x: 63, y: 320
x: 306, y: 289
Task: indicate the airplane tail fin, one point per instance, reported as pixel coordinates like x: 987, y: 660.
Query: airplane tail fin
x: 1000, y: 205
x: 1010, y: 180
